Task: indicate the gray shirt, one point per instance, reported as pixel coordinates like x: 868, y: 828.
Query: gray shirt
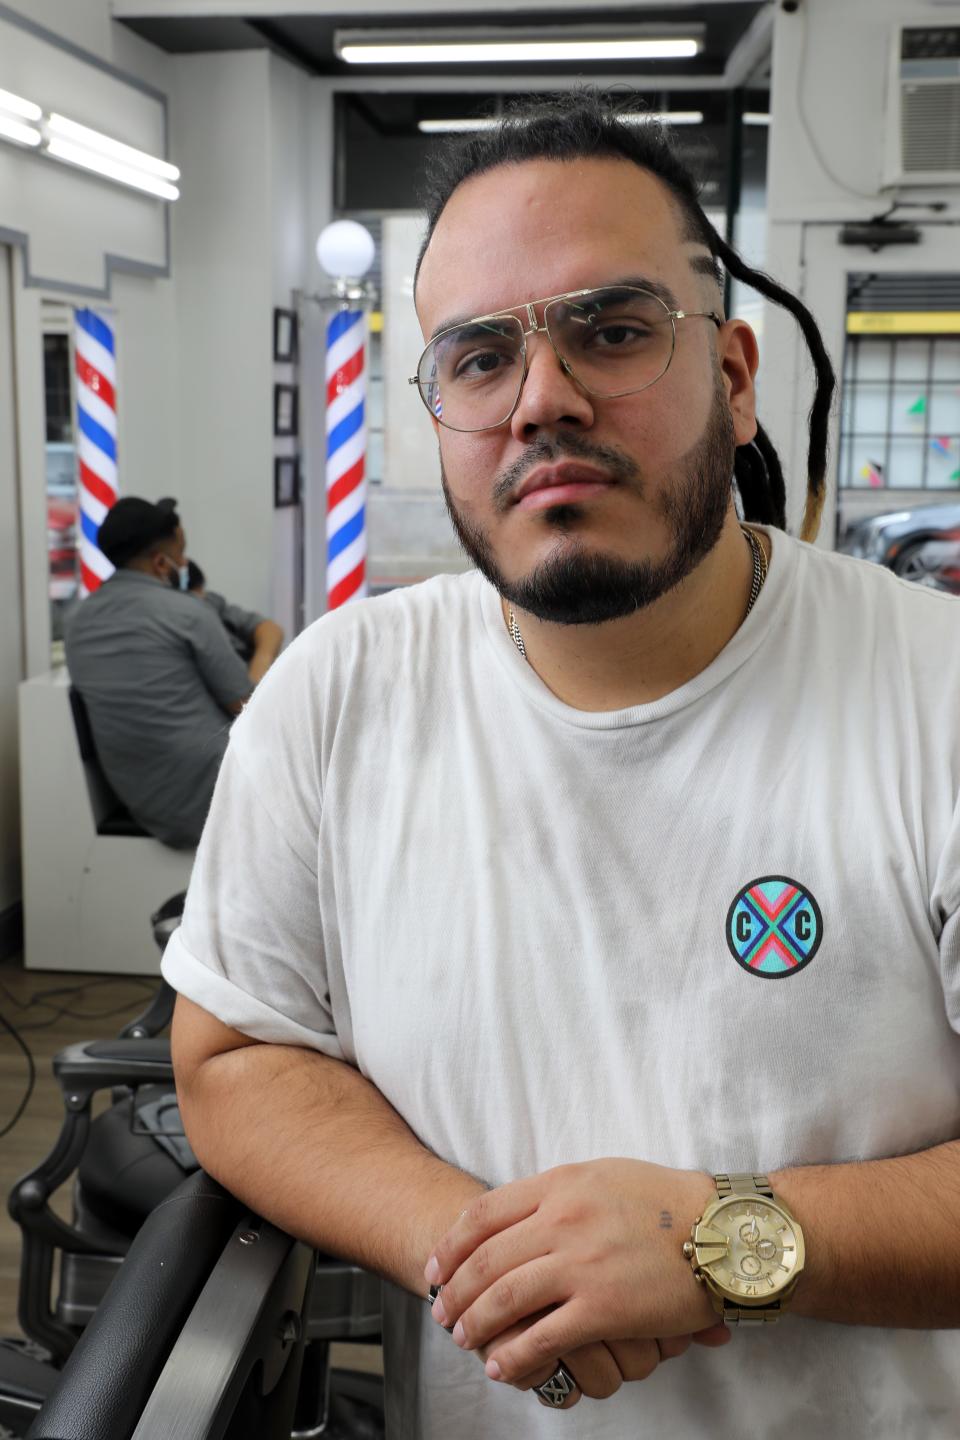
x: 239, y: 624
x: 158, y: 673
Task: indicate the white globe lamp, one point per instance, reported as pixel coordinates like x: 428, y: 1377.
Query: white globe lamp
x: 345, y: 250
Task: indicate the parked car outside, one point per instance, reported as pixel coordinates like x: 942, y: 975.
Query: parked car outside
x: 940, y: 560
x: 898, y: 539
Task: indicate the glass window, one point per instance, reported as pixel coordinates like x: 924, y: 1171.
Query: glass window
x: 906, y: 464
x: 900, y: 413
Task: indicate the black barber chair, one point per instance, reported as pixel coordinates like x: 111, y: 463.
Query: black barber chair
x: 110, y: 815
x: 200, y: 1336
x: 127, y: 1162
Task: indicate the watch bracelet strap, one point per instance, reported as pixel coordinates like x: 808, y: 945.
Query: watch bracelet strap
x: 757, y: 1315
x: 747, y: 1184
x: 743, y: 1184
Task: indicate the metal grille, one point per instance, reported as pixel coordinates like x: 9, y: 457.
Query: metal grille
x: 931, y: 127
x: 868, y: 291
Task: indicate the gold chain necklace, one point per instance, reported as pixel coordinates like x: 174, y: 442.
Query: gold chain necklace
x: 756, y: 585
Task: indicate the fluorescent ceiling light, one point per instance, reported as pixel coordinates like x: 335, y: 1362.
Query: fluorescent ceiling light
x: 531, y: 52
x: 15, y: 105
x: 17, y: 130
x: 629, y: 117
x: 449, y: 127
x: 755, y: 117
x: 104, y: 165
x: 665, y: 117
x: 126, y: 155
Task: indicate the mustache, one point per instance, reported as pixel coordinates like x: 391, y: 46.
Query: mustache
x: 544, y: 451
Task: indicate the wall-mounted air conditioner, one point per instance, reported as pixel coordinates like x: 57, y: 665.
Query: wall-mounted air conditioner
x: 922, y: 142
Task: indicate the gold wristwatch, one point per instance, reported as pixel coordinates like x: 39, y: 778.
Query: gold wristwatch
x: 747, y: 1249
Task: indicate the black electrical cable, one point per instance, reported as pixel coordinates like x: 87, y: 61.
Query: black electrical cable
x: 39, y: 998
x: 31, y: 1076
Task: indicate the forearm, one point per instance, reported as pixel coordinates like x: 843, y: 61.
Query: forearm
x: 267, y: 643
x: 314, y: 1147
x: 880, y: 1239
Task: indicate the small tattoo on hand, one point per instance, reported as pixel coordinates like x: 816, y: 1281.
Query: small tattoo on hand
x: 666, y: 1220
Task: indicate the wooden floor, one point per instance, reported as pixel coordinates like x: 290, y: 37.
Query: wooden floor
x: 66, y: 1009
x: 97, y: 1007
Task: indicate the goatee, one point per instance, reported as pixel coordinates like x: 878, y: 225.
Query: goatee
x: 578, y: 586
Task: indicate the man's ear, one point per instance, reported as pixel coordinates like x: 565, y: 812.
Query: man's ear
x: 739, y: 359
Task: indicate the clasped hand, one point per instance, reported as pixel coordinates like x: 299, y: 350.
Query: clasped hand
x: 582, y: 1263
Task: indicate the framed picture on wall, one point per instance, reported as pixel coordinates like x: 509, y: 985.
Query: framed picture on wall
x: 286, y: 481
x: 284, y: 336
x: 284, y: 409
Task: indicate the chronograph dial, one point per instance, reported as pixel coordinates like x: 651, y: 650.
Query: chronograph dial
x: 747, y: 1249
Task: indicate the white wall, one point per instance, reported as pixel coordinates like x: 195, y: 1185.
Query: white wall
x: 828, y: 106
x: 74, y: 219
x: 223, y: 267
x: 289, y: 187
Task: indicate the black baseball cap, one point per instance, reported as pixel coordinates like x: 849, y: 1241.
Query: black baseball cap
x: 132, y: 525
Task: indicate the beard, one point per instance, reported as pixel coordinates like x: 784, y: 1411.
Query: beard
x: 578, y: 586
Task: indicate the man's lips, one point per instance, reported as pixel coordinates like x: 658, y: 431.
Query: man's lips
x: 560, y: 484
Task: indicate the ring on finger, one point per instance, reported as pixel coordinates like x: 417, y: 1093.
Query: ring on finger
x: 558, y: 1388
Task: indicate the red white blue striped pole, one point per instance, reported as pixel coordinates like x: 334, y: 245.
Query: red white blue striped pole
x: 96, y: 440
x: 346, y: 251
x: 346, y: 457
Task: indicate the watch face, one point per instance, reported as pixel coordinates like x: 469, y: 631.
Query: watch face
x: 749, y: 1248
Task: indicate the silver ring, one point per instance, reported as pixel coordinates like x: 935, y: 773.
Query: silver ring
x: 554, y: 1391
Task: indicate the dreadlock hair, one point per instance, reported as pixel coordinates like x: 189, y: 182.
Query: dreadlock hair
x: 585, y: 123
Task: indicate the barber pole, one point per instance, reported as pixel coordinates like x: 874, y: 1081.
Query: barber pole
x: 96, y: 440
x: 346, y: 457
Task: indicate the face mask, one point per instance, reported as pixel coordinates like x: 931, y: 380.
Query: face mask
x: 178, y: 577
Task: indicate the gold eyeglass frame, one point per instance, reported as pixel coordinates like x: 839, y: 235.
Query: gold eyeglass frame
x: 535, y: 328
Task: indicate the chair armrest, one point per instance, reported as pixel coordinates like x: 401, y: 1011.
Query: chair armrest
x: 114, y: 1366
x: 82, y: 1070
x: 103, y: 1064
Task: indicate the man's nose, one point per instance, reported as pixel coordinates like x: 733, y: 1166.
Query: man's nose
x: 550, y: 395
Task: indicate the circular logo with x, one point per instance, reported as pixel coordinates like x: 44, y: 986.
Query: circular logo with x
x: 774, y: 927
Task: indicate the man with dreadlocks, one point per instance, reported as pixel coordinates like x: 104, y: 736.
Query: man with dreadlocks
x: 575, y: 942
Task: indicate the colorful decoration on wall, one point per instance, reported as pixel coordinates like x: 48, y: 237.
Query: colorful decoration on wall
x: 346, y: 457
x: 96, y: 372
x: 941, y: 444
x: 919, y: 407
x: 872, y: 472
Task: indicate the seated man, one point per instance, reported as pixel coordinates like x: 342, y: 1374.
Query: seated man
x: 256, y: 639
x: 159, y: 676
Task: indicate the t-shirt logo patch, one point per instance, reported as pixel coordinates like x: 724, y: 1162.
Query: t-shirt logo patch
x: 774, y: 927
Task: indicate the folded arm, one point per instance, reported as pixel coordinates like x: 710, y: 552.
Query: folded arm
x: 309, y: 1143
x: 595, y: 1248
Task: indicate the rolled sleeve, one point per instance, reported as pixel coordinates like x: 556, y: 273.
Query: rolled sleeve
x: 250, y: 948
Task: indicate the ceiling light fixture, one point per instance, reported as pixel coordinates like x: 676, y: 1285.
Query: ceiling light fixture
x: 19, y: 132
x: 16, y: 105
x: 664, y: 117
x: 755, y: 117
x: 94, y: 140
x: 455, y: 127
x: 86, y: 159
x: 458, y: 47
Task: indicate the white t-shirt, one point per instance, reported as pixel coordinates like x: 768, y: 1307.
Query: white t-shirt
x: 718, y: 931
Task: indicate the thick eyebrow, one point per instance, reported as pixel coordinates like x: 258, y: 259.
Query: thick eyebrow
x: 638, y: 282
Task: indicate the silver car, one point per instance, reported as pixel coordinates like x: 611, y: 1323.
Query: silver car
x: 898, y: 538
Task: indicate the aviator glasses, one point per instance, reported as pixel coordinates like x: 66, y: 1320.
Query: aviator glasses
x: 612, y: 341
